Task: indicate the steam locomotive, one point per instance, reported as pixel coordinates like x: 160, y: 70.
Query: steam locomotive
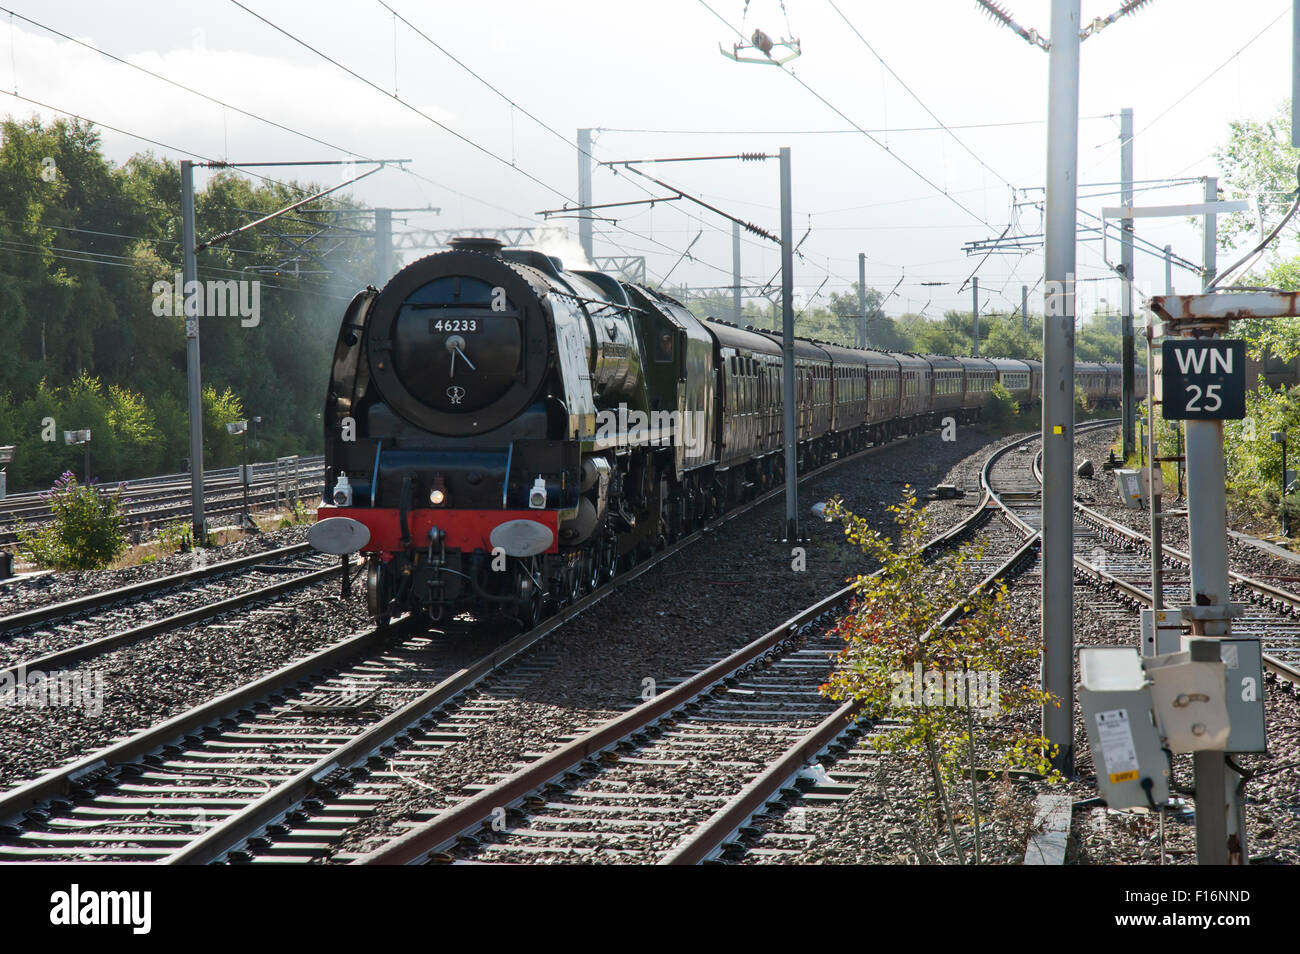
x: 503, y: 435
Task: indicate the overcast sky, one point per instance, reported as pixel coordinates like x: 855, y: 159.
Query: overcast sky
x: 632, y: 67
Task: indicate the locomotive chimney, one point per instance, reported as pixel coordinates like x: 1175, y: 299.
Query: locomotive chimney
x: 477, y: 243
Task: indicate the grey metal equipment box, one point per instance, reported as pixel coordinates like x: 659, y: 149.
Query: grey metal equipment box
x: 1243, y: 672
x: 1130, y: 488
x: 1122, y: 734
x: 1162, y: 632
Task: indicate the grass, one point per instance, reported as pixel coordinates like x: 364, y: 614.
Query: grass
x: 155, y: 550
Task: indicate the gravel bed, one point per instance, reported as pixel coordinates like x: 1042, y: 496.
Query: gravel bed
x: 145, y: 683
x: 1101, y: 493
x: 25, y: 594
x: 108, y: 621
x: 718, y: 594
x: 880, y: 823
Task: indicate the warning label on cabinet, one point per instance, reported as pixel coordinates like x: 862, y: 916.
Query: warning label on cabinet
x: 1117, y: 748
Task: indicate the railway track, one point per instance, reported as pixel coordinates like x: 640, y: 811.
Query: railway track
x: 61, y: 635
x: 145, y: 488
x: 223, y: 497
x: 43, y: 615
x: 269, y: 772
x: 1109, y: 554
x: 679, y: 779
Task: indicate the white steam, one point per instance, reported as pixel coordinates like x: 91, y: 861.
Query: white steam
x: 559, y: 242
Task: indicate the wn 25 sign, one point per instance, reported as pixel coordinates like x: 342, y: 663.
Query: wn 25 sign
x: 1204, y: 379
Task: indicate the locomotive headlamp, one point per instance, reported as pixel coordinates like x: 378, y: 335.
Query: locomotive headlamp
x: 537, y: 496
x: 342, y: 494
x: 438, y: 493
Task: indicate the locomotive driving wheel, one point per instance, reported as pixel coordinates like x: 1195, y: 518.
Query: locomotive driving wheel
x: 379, y: 590
x: 574, y: 578
x: 530, y: 601
x: 608, y: 557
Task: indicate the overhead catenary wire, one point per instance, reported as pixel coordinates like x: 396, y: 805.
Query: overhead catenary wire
x: 96, y: 258
x: 1205, y: 79
x: 839, y: 112
x: 171, y: 82
x: 307, y: 136
x: 443, y: 126
x: 831, y: 132
x: 856, y: 32
x: 514, y: 105
x: 1264, y: 243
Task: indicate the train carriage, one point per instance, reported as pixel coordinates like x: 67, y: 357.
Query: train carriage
x: 1091, y: 377
x: 1017, y: 377
x: 1035, y: 379
x: 949, y: 384
x: 978, y: 377
x: 916, y: 400
x: 812, y: 367
x: 884, y: 381
x: 749, y: 390
x: 849, y: 394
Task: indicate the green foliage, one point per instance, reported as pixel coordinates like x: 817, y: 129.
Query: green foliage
x: 125, y: 437
x: 1258, y: 161
x: 86, y: 532
x: 1254, y: 459
x: 1001, y: 410
x: 176, y: 536
x: 1099, y: 339
x: 1279, y: 337
x: 80, y: 250
x: 893, y: 633
x: 297, y: 514
x: 220, y: 447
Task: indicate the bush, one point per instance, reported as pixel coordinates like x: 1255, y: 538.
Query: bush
x: 175, y: 537
x: 86, y: 532
x: 1254, y: 461
x: 902, y: 667
x: 1000, y: 408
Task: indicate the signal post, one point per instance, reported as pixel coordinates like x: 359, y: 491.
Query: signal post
x: 1203, y: 384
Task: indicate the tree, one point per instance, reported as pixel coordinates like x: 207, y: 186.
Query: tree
x: 900, y: 664
x: 82, y: 242
x: 1259, y: 161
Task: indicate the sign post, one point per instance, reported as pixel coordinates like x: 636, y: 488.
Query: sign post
x: 1203, y: 382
